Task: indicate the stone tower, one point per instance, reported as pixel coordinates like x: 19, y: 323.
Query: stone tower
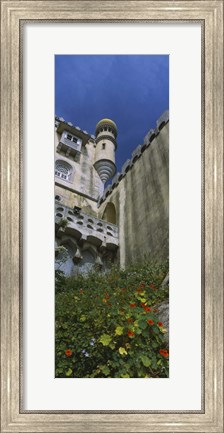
x: 106, y: 134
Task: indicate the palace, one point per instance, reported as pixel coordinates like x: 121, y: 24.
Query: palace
x: 124, y: 222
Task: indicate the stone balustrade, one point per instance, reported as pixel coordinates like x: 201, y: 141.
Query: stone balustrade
x: 85, y: 227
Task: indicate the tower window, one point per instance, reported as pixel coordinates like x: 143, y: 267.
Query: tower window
x: 63, y: 170
x: 104, y: 146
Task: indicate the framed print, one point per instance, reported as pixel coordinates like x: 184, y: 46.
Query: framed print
x: 87, y: 349
x: 101, y: 239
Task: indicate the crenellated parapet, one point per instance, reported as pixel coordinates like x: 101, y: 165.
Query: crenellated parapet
x: 61, y: 126
x: 136, y: 154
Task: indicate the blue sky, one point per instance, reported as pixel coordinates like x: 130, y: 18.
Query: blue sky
x: 132, y: 90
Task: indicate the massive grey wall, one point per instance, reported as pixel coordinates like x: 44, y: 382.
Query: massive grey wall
x: 141, y: 199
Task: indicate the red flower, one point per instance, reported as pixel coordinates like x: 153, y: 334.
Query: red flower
x: 150, y: 322
x: 133, y: 305
x: 130, y: 320
x: 142, y: 285
x: 68, y: 352
x: 130, y: 333
x: 147, y: 309
x: 143, y: 304
x: 152, y: 286
x: 164, y: 353
x: 155, y: 310
x: 160, y: 324
x: 139, y: 290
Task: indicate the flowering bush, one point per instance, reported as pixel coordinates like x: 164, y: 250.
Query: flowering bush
x: 107, y: 324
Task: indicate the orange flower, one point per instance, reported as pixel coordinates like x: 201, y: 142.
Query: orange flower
x: 104, y: 300
x: 68, y: 352
x: 160, y: 324
x: 164, y: 353
x: 133, y: 305
x: 130, y: 320
x: 150, y: 322
x: 147, y: 309
x: 130, y: 333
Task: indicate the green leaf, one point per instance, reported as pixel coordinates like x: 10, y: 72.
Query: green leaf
x: 105, y: 339
x: 145, y: 333
x: 143, y: 324
x: 112, y: 345
x: 69, y: 372
x: 122, y: 351
x: 125, y: 375
x: 105, y: 370
x: 145, y: 360
x: 119, y: 330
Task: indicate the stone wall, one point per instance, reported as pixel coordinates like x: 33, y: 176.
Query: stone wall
x: 140, y: 195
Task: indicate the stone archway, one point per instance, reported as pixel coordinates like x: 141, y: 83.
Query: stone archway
x: 65, y: 262
x: 109, y: 213
x: 88, y: 260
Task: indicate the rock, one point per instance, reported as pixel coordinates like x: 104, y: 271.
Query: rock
x: 163, y: 310
x: 163, y: 314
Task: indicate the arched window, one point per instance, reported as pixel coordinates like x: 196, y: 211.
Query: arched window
x: 103, y: 146
x: 63, y: 170
x: 109, y: 214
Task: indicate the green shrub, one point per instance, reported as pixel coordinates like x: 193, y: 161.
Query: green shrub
x: 107, y: 324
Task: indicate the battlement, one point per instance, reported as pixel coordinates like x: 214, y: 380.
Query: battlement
x: 61, y: 125
x: 136, y: 154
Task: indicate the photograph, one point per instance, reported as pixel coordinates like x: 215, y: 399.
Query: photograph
x: 112, y: 253
x: 111, y: 216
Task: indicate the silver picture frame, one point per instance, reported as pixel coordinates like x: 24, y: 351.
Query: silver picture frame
x: 14, y: 14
